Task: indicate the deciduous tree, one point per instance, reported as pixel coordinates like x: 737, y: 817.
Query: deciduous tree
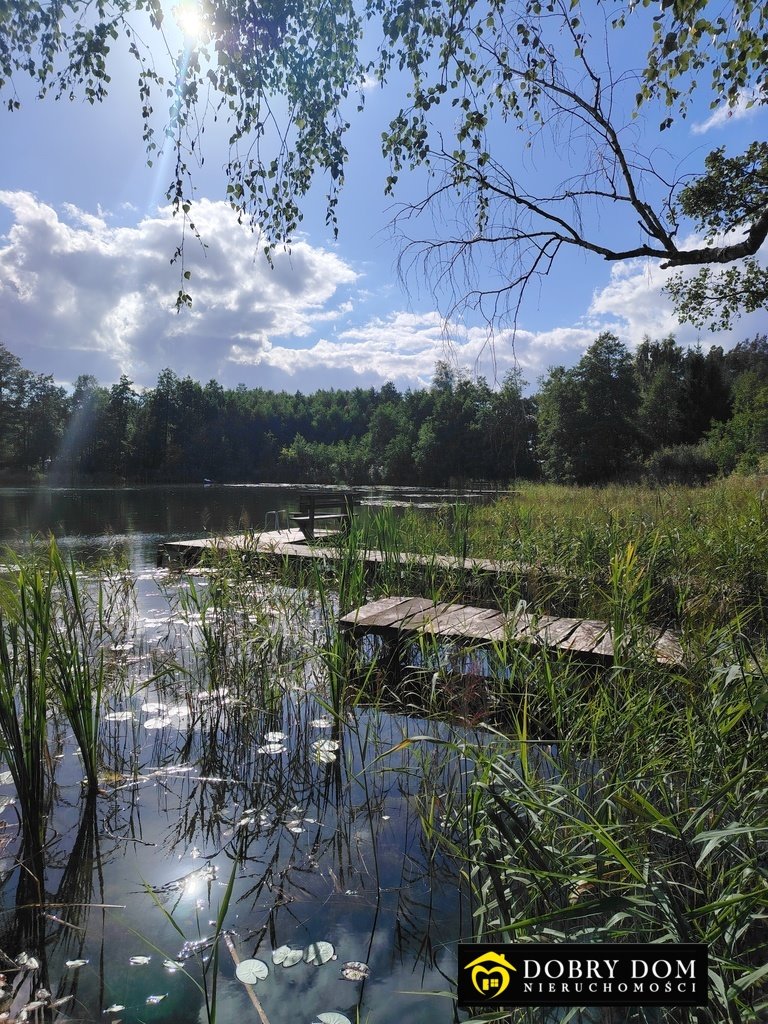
x: 492, y: 96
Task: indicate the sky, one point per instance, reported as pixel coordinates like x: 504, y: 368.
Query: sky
x: 87, y: 285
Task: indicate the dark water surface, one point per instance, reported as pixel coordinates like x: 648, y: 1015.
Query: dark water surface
x: 135, y: 520
x: 233, y: 785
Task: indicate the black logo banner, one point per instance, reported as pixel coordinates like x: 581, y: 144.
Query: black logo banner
x: 582, y: 974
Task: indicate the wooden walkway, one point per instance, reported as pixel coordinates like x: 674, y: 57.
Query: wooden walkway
x: 402, y: 619
x: 292, y: 545
x: 410, y: 617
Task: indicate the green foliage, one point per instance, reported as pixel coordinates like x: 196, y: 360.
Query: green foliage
x: 685, y: 464
x: 285, y: 78
x: 739, y: 443
x: 587, y: 431
x: 712, y: 299
x: 620, y: 830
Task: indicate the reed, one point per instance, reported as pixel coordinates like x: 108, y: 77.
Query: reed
x: 78, y: 671
x: 651, y: 830
x: 26, y: 626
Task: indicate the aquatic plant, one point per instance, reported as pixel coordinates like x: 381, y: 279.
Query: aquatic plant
x: 654, y: 837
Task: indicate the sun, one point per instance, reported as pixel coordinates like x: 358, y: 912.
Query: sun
x: 189, y: 19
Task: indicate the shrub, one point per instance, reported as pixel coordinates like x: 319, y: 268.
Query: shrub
x: 687, y: 464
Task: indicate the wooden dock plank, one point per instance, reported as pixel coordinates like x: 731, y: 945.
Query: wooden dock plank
x: 396, y: 616
x: 408, y: 615
x: 464, y: 622
x: 589, y: 637
x: 387, y: 615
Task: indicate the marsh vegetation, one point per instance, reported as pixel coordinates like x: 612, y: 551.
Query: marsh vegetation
x: 199, y: 770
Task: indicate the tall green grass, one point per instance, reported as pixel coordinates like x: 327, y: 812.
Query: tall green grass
x: 53, y: 634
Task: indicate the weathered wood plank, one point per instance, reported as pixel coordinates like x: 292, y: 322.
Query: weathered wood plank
x: 388, y: 614
x: 465, y: 622
x: 395, y: 616
x: 589, y: 637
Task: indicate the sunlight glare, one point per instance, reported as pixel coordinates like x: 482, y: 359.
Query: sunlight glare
x: 190, y: 20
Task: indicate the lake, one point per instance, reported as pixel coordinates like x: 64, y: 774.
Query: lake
x: 135, y: 520
x: 233, y: 800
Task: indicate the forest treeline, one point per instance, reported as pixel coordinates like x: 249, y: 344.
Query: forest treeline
x: 663, y: 412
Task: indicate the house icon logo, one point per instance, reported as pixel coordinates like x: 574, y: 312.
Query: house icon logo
x: 490, y: 974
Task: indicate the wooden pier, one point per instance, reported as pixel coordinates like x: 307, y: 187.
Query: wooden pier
x: 292, y: 545
x: 401, y: 619
x: 404, y: 619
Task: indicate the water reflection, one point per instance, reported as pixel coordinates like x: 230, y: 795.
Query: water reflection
x: 133, y: 521
x: 232, y: 799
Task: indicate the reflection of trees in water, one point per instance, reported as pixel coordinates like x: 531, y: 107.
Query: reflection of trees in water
x: 49, y: 925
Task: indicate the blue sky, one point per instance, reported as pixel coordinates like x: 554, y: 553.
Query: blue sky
x: 86, y: 285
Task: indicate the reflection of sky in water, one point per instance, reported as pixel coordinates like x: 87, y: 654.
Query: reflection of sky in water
x: 330, y: 851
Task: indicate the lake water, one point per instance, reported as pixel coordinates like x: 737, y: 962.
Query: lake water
x: 226, y: 779
x: 135, y: 520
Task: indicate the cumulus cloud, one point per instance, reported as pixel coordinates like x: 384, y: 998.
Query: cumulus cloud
x: 633, y: 305
x: 82, y: 294
x: 77, y: 292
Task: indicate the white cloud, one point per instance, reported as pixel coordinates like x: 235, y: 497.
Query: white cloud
x: 725, y: 113
x: 634, y: 305
x: 77, y: 295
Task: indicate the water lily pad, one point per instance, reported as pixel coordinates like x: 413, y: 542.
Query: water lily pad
x: 139, y: 961
x: 354, y: 970
x: 6, y: 778
x: 275, y: 737
x: 173, y: 965
x: 319, y: 953
x: 321, y: 723
x: 325, y: 750
x: 279, y: 954
x: 114, y: 1008
x: 333, y: 1018
x: 293, y: 957
x: 160, y: 722
x: 272, y: 748
x: 251, y: 971
x: 154, y: 1000
x: 73, y: 964
x: 119, y: 716
x: 331, y: 745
